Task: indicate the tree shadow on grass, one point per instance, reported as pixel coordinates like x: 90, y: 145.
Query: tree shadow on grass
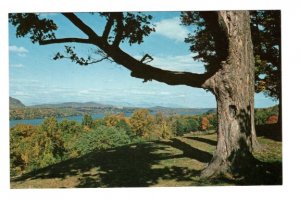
x: 204, y: 140
x: 188, y: 150
x: 126, y: 166
x: 133, y: 166
x: 270, y: 131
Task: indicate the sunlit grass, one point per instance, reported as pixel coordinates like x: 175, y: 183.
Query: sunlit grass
x: 174, y: 162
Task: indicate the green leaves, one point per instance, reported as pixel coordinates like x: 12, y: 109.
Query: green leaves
x: 207, y: 40
x: 33, y: 25
x: 266, y: 37
x: 101, y: 138
x: 136, y: 27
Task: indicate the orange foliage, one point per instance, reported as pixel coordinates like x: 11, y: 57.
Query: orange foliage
x: 205, y: 123
x: 273, y: 119
x: 114, y: 119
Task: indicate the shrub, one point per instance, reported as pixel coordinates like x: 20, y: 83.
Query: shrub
x: 101, y: 138
x: 191, y: 125
x: 122, y: 124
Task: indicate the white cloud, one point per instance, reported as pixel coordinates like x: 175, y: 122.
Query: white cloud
x: 20, y: 51
x: 16, y: 49
x: 17, y: 65
x: 171, y: 29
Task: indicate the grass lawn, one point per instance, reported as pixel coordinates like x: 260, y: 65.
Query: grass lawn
x: 174, y: 162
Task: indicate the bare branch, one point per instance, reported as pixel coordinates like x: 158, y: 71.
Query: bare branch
x: 84, y: 62
x: 64, y: 40
x: 120, y: 27
x: 109, y: 24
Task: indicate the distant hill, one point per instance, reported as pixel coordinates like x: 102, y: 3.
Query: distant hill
x: 185, y: 111
x: 15, y: 103
x: 73, y: 105
x: 19, y: 111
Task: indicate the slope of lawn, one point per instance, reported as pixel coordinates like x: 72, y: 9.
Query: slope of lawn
x: 174, y: 162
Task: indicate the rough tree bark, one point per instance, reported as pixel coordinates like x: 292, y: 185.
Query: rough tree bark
x: 233, y: 87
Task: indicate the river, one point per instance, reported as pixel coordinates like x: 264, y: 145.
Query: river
x: 77, y: 118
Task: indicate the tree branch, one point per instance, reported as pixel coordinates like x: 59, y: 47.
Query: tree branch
x: 109, y: 24
x: 138, y: 69
x: 85, y: 62
x: 80, y: 24
x: 147, y: 72
x: 64, y: 40
x: 119, y: 29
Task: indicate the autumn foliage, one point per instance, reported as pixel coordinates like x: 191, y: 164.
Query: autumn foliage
x: 273, y: 119
x: 34, y: 147
x: 204, y: 123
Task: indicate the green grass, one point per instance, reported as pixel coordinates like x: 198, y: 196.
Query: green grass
x: 174, y: 162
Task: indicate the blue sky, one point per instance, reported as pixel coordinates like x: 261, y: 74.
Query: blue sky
x: 35, y: 78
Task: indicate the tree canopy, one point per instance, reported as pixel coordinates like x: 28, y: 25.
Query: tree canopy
x: 266, y: 37
x: 210, y: 47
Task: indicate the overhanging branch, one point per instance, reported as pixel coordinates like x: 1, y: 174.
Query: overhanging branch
x: 138, y: 69
x: 148, y: 72
x: 65, y: 40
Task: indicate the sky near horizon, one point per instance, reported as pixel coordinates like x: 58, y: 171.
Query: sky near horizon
x: 35, y: 78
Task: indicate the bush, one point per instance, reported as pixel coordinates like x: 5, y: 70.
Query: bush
x: 101, y: 138
x: 122, y: 125
x: 191, y: 125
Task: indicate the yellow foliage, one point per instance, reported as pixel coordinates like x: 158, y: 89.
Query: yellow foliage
x: 141, y: 122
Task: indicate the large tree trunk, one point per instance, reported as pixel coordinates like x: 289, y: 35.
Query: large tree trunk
x: 233, y: 86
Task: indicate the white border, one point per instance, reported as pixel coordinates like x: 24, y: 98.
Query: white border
x: 291, y: 34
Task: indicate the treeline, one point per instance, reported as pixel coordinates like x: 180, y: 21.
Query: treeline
x: 266, y: 115
x: 34, y: 147
x: 39, y: 113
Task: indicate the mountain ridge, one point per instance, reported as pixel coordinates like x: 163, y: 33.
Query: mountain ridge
x: 15, y: 103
